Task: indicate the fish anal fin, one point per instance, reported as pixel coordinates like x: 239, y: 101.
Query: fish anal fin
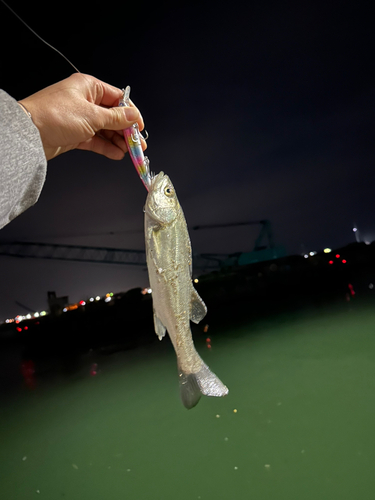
x: 198, y: 308
x: 159, y: 327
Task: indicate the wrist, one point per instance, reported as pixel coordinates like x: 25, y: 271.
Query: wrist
x: 34, y: 117
x: 22, y: 106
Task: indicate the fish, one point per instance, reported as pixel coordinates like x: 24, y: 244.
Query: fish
x: 175, y: 300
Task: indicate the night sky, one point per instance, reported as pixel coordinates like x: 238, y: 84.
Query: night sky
x: 264, y: 111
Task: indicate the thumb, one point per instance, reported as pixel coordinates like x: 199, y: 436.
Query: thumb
x: 118, y: 118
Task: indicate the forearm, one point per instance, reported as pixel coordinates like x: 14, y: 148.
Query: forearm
x: 23, y: 163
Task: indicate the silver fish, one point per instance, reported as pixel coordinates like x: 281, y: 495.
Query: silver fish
x: 175, y: 300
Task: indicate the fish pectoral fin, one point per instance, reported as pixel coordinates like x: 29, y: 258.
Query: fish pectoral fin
x: 198, y: 308
x: 159, y: 327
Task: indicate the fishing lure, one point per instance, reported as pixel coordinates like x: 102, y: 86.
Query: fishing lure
x: 133, y: 138
x: 132, y: 135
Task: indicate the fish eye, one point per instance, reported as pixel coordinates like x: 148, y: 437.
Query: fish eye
x: 168, y: 191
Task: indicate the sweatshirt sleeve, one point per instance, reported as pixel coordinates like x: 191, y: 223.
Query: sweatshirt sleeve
x: 23, y: 164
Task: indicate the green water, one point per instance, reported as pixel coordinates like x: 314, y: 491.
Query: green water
x: 303, y: 388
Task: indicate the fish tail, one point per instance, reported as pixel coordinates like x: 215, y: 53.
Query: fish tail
x: 193, y: 385
x: 189, y: 389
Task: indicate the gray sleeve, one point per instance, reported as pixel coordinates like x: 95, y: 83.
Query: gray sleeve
x: 23, y: 164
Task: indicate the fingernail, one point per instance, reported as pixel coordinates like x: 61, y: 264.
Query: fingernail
x: 131, y: 114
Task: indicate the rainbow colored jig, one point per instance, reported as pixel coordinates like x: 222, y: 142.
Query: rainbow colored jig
x: 133, y: 138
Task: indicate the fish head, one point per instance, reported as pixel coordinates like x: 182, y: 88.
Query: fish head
x: 162, y: 205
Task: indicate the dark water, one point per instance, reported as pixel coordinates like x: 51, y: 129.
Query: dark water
x: 303, y: 390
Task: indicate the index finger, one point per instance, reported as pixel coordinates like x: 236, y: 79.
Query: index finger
x: 108, y: 95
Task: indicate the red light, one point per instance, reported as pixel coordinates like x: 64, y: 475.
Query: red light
x: 337, y: 256
x: 208, y: 340
x: 82, y: 302
x: 25, y: 327
x: 209, y: 346
x: 330, y: 262
x: 19, y: 329
x: 343, y: 261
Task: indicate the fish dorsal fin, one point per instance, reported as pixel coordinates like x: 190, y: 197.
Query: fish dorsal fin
x: 198, y: 308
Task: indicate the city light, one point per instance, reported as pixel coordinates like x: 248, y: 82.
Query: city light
x: 310, y: 254
x: 70, y: 307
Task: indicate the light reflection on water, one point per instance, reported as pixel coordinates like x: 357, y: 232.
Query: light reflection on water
x: 302, y: 387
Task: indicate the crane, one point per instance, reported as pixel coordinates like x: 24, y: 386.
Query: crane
x: 261, y: 250
x: 265, y: 231
x: 80, y: 253
x: 105, y: 255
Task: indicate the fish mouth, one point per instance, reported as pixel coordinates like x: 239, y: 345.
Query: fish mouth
x: 158, y: 178
x: 154, y: 180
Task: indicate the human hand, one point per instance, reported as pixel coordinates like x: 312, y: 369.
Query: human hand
x: 81, y: 112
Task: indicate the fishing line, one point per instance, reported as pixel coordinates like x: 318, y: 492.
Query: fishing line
x: 40, y: 38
